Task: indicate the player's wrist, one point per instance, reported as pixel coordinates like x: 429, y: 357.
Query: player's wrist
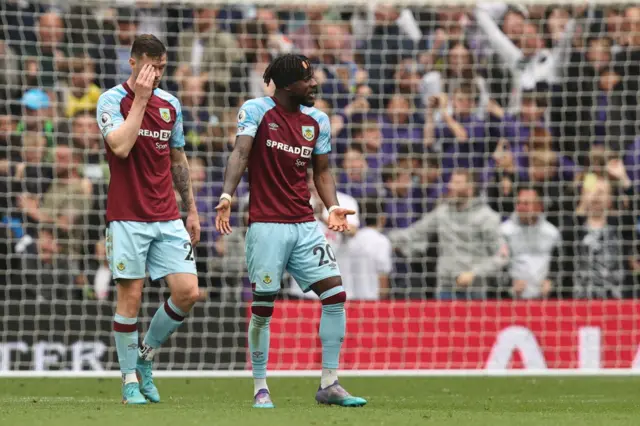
x: 226, y: 196
x: 333, y: 208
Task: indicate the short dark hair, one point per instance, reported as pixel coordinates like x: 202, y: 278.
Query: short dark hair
x: 148, y: 44
x: 287, y: 69
x: 371, y: 209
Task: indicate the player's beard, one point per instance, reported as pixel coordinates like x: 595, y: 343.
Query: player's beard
x: 307, y: 101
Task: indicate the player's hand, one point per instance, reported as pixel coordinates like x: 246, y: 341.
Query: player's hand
x: 222, y: 219
x: 193, y: 227
x: 144, y: 83
x: 338, y: 219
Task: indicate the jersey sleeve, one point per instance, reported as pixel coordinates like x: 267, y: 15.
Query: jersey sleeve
x: 177, y: 133
x: 323, y: 143
x: 249, y: 118
x: 108, y: 112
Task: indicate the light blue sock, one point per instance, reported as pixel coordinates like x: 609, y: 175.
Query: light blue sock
x: 126, y: 335
x: 332, y: 327
x: 259, y: 339
x: 166, y: 320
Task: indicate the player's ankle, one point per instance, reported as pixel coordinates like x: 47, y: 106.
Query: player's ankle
x: 329, y: 377
x: 129, y: 378
x: 258, y: 385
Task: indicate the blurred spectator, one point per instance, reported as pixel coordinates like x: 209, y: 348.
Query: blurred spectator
x: 82, y: 93
x: 247, y: 72
x: 67, y: 201
x: 622, y: 115
x: 276, y: 42
x: 88, y: 147
x: 337, y: 76
x: 461, y: 138
x: 401, y: 208
x: 42, y: 272
x: 398, y: 123
x: 37, y: 114
x: 46, y: 61
x: 10, y: 75
x: 459, y: 68
x: 531, y: 65
x: 356, y: 179
x: 534, y: 245
x: 597, y: 247
x: 370, y: 256
x: 471, y: 250
x: 206, y: 52
x: 126, y: 30
x: 194, y: 112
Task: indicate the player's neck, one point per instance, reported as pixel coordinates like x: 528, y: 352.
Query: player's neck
x: 285, y: 102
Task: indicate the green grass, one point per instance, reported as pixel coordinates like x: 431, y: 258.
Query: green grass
x: 392, y: 401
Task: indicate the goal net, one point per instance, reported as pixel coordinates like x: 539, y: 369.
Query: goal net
x: 491, y: 151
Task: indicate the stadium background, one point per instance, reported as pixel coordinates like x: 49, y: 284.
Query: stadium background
x: 377, y: 66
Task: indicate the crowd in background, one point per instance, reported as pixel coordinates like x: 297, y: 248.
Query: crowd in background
x: 491, y: 151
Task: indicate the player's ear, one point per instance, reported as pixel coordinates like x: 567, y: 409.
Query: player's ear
x: 132, y: 62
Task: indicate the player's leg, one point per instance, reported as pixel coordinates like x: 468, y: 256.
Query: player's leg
x: 126, y: 245
x: 267, y: 247
x: 313, y: 265
x: 170, y: 256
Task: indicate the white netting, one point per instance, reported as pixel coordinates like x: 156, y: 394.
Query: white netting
x: 532, y: 95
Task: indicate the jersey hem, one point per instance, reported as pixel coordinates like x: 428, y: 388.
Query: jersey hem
x: 288, y: 222
x: 137, y: 219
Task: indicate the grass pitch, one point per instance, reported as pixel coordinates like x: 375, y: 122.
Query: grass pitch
x: 392, y: 401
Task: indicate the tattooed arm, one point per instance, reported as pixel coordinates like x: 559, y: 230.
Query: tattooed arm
x: 182, y: 178
x: 182, y: 182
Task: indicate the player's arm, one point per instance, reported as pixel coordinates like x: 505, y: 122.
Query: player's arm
x: 182, y: 179
x: 182, y: 176
x: 122, y: 139
x: 323, y: 179
x: 237, y: 163
x: 326, y: 187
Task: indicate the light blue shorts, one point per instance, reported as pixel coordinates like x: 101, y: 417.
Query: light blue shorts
x: 162, y: 248
x: 299, y: 248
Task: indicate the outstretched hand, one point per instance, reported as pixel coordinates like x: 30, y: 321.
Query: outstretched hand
x: 222, y: 219
x: 338, y: 219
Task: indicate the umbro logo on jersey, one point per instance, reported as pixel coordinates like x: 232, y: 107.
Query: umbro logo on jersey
x: 273, y: 126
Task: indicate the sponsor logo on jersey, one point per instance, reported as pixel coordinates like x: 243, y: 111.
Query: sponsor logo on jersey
x: 273, y: 126
x: 308, y: 132
x: 165, y: 114
x: 241, y: 116
x: 163, y: 135
x: 303, y: 151
x: 161, y: 146
x: 300, y: 163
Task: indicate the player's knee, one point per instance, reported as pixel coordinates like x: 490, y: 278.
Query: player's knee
x: 333, y: 296
x: 262, y: 310
x: 189, y: 297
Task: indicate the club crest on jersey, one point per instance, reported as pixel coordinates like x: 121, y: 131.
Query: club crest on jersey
x: 165, y: 114
x: 308, y: 132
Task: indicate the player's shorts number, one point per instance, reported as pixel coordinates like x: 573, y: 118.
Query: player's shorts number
x: 190, y: 255
x: 328, y: 251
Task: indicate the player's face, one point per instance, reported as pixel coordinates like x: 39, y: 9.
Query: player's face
x: 304, y: 91
x: 159, y: 66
